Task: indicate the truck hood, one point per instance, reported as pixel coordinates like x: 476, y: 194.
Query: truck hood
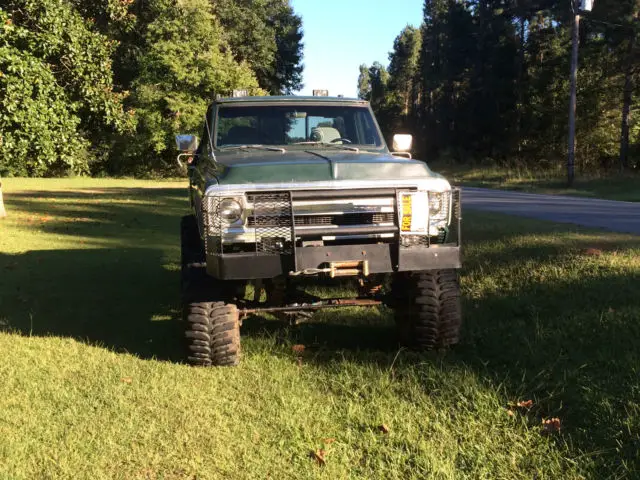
x: 316, y: 166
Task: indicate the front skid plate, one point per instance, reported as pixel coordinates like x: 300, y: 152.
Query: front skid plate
x: 382, y: 258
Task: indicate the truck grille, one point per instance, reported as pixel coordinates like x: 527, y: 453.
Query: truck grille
x: 347, y: 219
x: 272, y: 220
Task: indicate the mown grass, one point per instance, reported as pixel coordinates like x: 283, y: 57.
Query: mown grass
x: 612, y: 186
x: 91, y: 385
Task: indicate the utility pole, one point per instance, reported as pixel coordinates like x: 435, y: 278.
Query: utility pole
x: 573, y: 80
x: 577, y: 6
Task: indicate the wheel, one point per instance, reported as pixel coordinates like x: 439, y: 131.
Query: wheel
x: 212, y: 326
x: 427, y: 308
x: 212, y: 330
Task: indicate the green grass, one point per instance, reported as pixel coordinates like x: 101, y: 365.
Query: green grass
x: 613, y: 187
x: 91, y: 385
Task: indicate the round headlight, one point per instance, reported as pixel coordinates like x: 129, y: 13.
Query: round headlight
x: 435, y: 202
x: 230, y: 210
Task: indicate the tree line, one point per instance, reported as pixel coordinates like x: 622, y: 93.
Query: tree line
x: 489, y: 79
x: 101, y: 87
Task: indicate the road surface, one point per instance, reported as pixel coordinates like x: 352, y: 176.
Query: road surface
x: 590, y: 212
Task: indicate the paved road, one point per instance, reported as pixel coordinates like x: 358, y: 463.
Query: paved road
x: 590, y: 212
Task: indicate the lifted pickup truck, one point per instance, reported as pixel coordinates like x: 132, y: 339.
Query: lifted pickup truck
x: 284, y: 188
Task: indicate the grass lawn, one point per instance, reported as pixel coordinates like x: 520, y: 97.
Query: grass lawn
x: 91, y: 386
x: 613, y: 187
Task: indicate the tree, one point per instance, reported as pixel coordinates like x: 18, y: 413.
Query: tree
x: 364, y: 83
x: 184, y: 65
x: 403, y: 67
x: 268, y: 36
x: 373, y: 87
x: 491, y: 81
x: 631, y: 71
x: 55, y: 85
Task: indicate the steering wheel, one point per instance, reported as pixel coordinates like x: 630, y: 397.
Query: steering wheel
x: 335, y: 140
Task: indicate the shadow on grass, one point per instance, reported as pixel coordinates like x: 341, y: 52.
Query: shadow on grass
x: 565, y: 335
x: 330, y: 333
x: 571, y: 344
x: 122, y: 299
x: 129, y: 216
x: 572, y: 347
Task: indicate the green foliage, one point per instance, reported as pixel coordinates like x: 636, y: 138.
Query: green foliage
x: 373, y: 86
x: 268, y: 36
x: 403, y: 68
x: 55, y: 82
x: 183, y: 67
x: 102, y: 86
x: 491, y: 81
x: 364, y: 83
x: 39, y: 127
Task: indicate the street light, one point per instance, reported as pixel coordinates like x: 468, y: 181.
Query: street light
x: 577, y: 6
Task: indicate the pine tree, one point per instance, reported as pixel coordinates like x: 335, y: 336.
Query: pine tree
x: 364, y: 83
x: 403, y: 67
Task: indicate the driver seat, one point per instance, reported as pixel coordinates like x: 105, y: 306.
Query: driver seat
x: 325, y: 134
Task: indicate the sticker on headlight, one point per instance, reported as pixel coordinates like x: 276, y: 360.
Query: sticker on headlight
x: 414, y: 213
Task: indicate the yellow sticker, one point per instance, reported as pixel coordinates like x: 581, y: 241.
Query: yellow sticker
x: 406, y: 213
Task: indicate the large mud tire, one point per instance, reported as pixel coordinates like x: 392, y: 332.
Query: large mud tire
x: 212, y: 326
x: 427, y: 309
x: 212, y: 331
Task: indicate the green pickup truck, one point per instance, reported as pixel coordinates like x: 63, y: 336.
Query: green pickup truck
x: 290, y: 188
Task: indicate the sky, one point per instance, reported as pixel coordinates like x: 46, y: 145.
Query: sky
x: 339, y: 35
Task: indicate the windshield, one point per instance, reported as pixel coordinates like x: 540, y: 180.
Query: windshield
x: 305, y: 125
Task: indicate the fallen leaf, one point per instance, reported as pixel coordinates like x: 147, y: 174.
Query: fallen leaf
x: 328, y: 441
x: 127, y: 380
x: 525, y: 404
x: 383, y: 428
x: 551, y: 425
x: 299, y: 359
x: 318, y: 456
x: 593, y: 252
x: 510, y: 412
x: 299, y: 349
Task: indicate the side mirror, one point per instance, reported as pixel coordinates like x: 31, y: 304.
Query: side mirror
x: 187, y: 143
x: 402, y: 142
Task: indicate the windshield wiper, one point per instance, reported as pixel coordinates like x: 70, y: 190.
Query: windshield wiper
x: 334, y: 145
x: 257, y: 147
